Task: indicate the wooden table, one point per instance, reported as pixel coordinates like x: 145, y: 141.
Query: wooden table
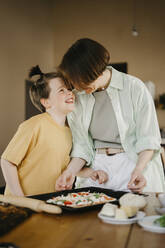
x: 80, y: 230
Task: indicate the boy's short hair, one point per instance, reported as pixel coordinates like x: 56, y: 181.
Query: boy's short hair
x: 40, y: 85
x: 84, y: 62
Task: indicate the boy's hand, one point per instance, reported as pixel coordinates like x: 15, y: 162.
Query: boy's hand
x: 65, y: 181
x: 99, y: 175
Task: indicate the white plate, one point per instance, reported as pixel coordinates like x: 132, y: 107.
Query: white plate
x: 160, y: 210
x: 112, y: 220
x: 148, y: 224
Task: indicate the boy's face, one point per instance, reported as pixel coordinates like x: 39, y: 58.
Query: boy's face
x: 60, y: 98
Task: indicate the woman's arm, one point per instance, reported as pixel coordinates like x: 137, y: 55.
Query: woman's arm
x: 138, y: 181
x: 11, y: 177
x: 147, y: 134
x: 143, y: 158
x: 99, y: 175
x: 147, y: 127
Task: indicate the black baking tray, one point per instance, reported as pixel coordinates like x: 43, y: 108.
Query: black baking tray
x: 109, y: 192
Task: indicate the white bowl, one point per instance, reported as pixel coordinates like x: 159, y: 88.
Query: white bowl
x: 161, y: 197
x: 160, y: 210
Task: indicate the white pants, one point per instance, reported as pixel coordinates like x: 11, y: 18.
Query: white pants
x: 118, y: 167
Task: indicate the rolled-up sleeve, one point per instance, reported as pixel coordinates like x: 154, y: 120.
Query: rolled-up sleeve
x: 147, y: 128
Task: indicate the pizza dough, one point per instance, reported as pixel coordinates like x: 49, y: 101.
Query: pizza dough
x: 81, y: 199
x: 130, y: 199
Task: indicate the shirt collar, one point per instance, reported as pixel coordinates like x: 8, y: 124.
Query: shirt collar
x: 116, y: 79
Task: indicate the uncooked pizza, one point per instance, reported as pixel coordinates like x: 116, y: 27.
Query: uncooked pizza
x: 81, y: 199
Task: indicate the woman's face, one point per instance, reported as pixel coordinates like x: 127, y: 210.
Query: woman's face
x: 94, y: 85
x: 97, y: 84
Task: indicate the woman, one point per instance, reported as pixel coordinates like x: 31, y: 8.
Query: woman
x: 114, y: 124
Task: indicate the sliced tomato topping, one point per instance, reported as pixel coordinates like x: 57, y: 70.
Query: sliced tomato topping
x: 83, y: 193
x: 74, y: 195
x: 67, y: 202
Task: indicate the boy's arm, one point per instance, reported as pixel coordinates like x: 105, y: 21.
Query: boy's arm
x: 65, y: 181
x: 85, y: 172
x: 99, y: 175
x: 11, y: 177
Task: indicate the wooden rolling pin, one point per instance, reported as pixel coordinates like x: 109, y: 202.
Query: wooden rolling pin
x: 35, y: 205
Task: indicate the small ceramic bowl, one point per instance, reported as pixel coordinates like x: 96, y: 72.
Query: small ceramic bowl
x: 160, y: 210
x: 161, y: 198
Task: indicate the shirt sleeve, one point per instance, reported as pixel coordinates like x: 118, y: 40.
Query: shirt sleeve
x: 20, y: 144
x: 147, y: 128
x: 82, y: 144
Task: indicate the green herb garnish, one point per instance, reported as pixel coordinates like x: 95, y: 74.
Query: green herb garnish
x: 96, y: 195
x: 160, y: 221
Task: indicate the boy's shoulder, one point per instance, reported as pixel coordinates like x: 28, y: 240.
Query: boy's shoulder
x: 34, y: 120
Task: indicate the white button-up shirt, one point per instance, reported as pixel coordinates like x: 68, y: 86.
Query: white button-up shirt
x: 136, y: 118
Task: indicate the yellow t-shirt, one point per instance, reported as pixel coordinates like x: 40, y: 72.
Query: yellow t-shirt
x: 40, y: 149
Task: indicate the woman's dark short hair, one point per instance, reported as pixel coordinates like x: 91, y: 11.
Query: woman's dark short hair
x: 40, y: 86
x: 84, y: 62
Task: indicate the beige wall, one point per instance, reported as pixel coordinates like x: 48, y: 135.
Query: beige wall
x: 26, y: 39
x: 29, y: 36
x: 110, y: 22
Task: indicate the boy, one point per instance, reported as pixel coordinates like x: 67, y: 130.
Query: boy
x: 39, y: 151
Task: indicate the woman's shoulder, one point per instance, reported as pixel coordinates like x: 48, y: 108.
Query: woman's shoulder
x: 134, y: 81
x: 134, y: 84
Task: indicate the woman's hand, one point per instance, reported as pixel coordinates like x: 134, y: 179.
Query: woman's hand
x: 99, y: 175
x: 137, y: 181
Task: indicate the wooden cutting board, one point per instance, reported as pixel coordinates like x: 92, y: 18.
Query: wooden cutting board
x: 11, y: 216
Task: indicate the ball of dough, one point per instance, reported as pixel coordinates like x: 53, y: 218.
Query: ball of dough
x: 130, y: 199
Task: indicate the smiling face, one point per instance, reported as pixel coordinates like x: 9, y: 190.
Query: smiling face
x: 60, y: 99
